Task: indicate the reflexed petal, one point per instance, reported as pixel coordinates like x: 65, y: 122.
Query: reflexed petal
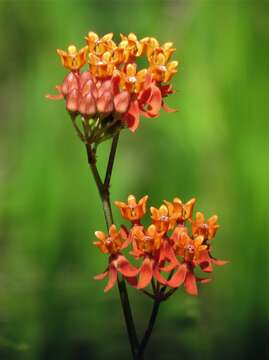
x: 206, y: 266
x: 145, y: 274
x: 179, y: 277
x: 112, y: 276
x: 167, y: 108
x: 155, y: 101
x: 101, y: 276
x: 54, y: 97
x: 144, y: 96
x: 132, y: 116
x: 203, y: 280
x: 190, y: 284
x: 168, y: 267
x: 158, y: 276
x: 219, y: 262
x: 124, y: 267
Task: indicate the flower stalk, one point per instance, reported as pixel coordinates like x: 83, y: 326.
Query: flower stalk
x: 103, y: 189
x: 111, y: 95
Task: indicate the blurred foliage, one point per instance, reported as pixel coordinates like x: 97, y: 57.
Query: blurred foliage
x: 215, y: 148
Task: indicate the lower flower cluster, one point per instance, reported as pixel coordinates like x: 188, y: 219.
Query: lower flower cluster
x: 166, y: 254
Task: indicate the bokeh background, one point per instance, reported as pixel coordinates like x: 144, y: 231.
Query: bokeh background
x: 215, y: 148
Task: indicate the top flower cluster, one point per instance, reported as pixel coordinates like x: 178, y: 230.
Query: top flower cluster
x: 113, y: 84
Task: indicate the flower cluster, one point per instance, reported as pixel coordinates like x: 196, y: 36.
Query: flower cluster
x: 168, y: 251
x: 113, y: 90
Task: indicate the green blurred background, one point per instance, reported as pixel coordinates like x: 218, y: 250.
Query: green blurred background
x: 215, y: 148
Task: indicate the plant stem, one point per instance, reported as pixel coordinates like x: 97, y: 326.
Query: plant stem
x: 149, y: 329
x: 103, y: 188
x: 111, y: 160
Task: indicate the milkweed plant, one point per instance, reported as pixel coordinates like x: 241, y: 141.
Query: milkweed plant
x: 111, y: 95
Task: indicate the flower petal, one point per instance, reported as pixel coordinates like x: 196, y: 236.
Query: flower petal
x: 203, y: 280
x: 145, y: 274
x: 179, y: 277
x: 155, y: 101
x: 101, y: 276
x: 112, y: 278
x: 158, y: 276
x: 125, y: 268
x: 167, y: 108
x: 219, y: 262
x: 131, y: 117
x: 190, y: 284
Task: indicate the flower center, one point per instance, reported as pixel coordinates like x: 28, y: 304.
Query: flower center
x: 164, y: 218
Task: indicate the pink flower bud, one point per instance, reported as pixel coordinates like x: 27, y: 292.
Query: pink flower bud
x: 105, y: 103
x: 121, y: 102
x: 105, y: 86
x: 84, y: 77
x: 89, y: 88
x: 72, y: 100
x: 87, y: 105
x: 70, y: 83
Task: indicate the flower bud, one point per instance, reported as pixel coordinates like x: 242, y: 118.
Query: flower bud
x: 87, y: 105
x: 121, y: 102
x: 105, y: 103
x: 72, y: 100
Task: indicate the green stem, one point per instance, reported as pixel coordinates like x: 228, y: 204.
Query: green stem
x: 103, y: 189
x: 149, y: 329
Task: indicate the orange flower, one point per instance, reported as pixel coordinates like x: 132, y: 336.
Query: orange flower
x: 146, y: 243
x: 191, y: 251
x: 102, y: 66
x: 131, y: 46
x: 181, y: 212
x: 145, y: 240
x: 207, y: 228
x: 113, y: 244
x: 100, y: 45
x: 164, y: 218
x: 179, y: 254
x: 73, y: 59
x: 135, y: 91
x: 133, y: 211
x: 162, y: 70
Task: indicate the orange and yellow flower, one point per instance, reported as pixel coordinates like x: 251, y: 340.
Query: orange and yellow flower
x: 167, y: 245
x: 133, y: 210
x: 112, y: 244
x: 143, y: 90
x: 73, y: 59
x: 205, y: 228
